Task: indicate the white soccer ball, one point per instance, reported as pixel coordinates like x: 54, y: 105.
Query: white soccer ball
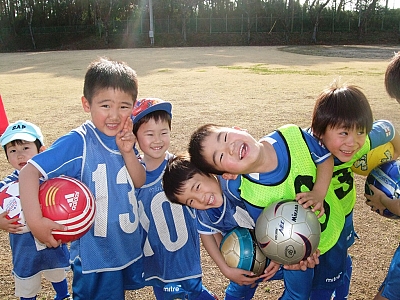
x: 287, y: 233
x: 10, y: 202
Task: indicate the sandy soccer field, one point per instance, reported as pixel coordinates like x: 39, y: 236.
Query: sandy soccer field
x: 257, y: 88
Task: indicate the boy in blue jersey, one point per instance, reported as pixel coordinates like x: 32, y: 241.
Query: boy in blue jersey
x: 219, y: 209
x: 171, y: 249
x: 107, y: 260
x: 390, y: 288
x: 21, y: 141
x: 348, y: 136
x: 281, y: 165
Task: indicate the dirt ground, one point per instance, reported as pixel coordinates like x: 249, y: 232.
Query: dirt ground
x: 257, y: 88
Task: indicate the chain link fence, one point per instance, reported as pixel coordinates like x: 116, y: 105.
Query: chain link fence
x: 240, y: 24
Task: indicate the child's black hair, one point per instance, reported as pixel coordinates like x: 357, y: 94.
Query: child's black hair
x: 177, y: 172
x: 105, y: 73
x: 196, y: 149
x: 341, y: 106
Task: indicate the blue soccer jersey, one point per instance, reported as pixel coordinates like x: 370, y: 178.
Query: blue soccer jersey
x: 29, y: 257
x: 114, y: 241
x: 171, y: 242
x: 231, y: 214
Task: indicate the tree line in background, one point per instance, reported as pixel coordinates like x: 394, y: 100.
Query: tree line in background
x: 147, y: 19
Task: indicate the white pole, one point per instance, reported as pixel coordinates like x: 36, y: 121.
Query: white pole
x: 151, y: 31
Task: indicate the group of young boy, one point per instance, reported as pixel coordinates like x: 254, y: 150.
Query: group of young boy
x: 151, y: 207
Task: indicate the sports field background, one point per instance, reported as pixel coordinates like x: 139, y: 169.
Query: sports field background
x: 256, y: 88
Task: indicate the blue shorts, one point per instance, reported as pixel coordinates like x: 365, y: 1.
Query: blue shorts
x: 236, y: 291
x: 185, y: 289
x: 297, y: 286
x: 105, y: 285
x: 297, y: 283
x: 391, y: 284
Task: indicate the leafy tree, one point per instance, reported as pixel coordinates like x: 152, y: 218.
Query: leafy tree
x: 366, y: 9
x: 316, y: 9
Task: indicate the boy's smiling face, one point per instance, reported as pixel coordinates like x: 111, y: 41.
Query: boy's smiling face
x: 109, y: 110
x: 201, y: 192
x: 344, y: 143
x: 154, y: 139
x: 231, y: 150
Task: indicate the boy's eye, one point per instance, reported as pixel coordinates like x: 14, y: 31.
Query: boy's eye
x: 226, y: 134
x: 220, y: 158
x: 198, y: 187
x: 12, y: 151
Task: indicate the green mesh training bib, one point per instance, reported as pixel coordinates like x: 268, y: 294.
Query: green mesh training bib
x: 300, y: 178
x: 343, y: 183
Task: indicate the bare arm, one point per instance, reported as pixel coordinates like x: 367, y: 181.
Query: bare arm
x: 234, y: 274
x: 125, y: 141
x: 135, y: 169
x: 40, y: 227
x: 315, y: 198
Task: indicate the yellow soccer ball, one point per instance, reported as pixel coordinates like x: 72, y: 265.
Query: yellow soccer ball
x: 373, y: 158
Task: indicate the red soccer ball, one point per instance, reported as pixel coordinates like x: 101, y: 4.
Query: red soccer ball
x: 9, y: 201
x: 67, y: 201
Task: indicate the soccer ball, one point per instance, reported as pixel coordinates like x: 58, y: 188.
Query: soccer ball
x: 67, y: 201
x: 386, y: 177
x: 240, y: 250
x: 9, y: 201
x: 287, y: 233
x: 373, y: 158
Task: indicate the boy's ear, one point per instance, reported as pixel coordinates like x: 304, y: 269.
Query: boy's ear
x: 229, y: 176
x: 42, y: 149
x: 85, y: 104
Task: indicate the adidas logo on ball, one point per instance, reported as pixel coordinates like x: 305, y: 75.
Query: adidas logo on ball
x: 72, y: 199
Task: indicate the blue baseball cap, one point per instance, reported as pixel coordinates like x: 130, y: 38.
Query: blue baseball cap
x: 21, y: 130
x: 147, y: 105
